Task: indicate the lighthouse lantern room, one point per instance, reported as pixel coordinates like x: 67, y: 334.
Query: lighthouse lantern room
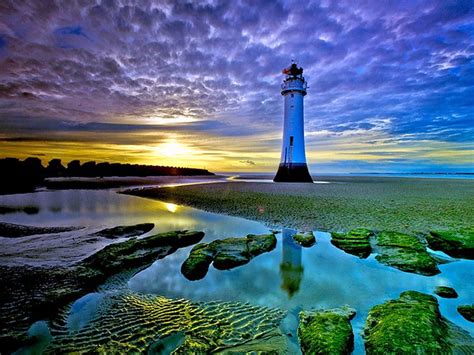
x: 293, y: 166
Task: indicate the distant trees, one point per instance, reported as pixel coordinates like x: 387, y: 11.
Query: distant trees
x: 24, y: 176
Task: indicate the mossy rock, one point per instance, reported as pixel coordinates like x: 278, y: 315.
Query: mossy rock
x: 326, y: 331
x: 456, y: 243
x: 225, y: 254
x: 135, y: 252
x: 305, y: 239
x: 446, y: 292
x: 467, y: 311
x: 405, y: 252
x: 355, y: 242
x: 411, y: 324
x: 195, y: 267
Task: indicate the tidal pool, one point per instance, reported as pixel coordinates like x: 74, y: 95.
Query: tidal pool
x: 289, y: 278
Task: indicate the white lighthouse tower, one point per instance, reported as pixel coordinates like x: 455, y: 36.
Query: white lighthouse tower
x: 293, y: 166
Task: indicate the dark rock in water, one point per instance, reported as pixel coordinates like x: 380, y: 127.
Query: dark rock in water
x: 29, y: 294
x: 326, y: 331
x: 405, y: 252
x: 230, y: 253
x: 446, y: 292
x: 412, y: 324
x: 467, y: 311
x: 225, y: 254
x: 305, y: 239
x: 137, y: 252
x: 125, y: 231
x: 197, y: 264
x: 355, y: 242
x: 10, y: 230
x: 456, y: 243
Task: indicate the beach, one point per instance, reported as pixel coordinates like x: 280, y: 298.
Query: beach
x: 335, y: 203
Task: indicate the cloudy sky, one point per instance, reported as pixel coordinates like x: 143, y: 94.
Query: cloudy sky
x: 391, y: 83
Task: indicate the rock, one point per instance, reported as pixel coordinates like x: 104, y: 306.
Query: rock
x: 326, y: 331
x: 411, y: 324
x: 405, y: 252
x: 195, y: 267
x: 137, y: 252
x: 230, y: 253
x: 446, y: 292
x: 225, y: 254
x: 305, y: 239
x: 467, y: 311
x: 355, y: 242
x: 10, y: 230
x: 125, y: 231
x: 456, y: 243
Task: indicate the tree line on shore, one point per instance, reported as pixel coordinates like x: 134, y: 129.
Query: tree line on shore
x: 23, y: 176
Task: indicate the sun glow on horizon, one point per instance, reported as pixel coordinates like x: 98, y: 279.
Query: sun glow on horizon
x: 172, y: 149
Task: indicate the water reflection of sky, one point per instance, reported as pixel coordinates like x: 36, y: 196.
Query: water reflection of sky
x: 320, y: 276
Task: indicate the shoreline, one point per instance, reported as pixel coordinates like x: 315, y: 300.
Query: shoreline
x: 413, y: 205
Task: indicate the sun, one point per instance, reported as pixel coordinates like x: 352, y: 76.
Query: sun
x: 172, y: 149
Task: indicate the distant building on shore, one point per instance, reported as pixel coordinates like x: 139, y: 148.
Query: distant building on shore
x: 293, y: 167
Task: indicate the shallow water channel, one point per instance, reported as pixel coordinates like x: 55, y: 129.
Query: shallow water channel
x: 289, y: 277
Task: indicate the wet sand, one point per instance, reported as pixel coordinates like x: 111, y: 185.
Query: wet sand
x: 342, y: 203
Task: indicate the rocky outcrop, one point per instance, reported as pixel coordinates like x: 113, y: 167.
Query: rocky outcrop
x: 467, y: 311
x: 138, y: 252
x: 446, y: 292
x: 412, y: 324
x: 305, y: 239
x: 355, y: 242
x: 225, y: 254
x: 404, y: 252
x: 30, y: 294
x: 456, y: 243
x: 197, y: 264
x: 326, y: 331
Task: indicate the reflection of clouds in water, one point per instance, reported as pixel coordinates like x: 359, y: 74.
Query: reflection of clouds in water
x: 331, y: 278
x: 106, y: 208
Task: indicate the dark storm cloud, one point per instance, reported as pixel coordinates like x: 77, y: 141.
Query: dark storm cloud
x: 94, y: 61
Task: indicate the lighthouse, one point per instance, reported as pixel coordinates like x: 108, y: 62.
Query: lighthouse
x: 293, y: 166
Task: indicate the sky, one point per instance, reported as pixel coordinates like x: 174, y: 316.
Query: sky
x: 197, y: 84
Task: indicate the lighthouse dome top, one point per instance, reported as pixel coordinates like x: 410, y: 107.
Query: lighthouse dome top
x: 294, y: 80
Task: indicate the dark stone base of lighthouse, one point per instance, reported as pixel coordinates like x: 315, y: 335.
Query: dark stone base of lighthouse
x: 296, y: 172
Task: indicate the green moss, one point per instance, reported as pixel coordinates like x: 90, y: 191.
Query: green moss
x: 326, y: 331
x: 457, y: 243
x: 411, y: 324
x: 305, y: 239
x: 446, y: 292
x: 355, y: 242
x: 404, y: 252
x: 467, y: 311
x: 195, y: 267
x: 136, y: 252
x: 225, y: 254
